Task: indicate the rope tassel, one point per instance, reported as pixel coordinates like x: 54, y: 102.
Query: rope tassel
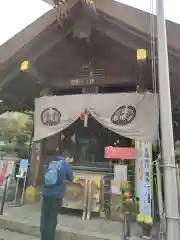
x: 84, y: 117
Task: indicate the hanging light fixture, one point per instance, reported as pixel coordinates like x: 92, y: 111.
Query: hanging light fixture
x: 24, y: 66
x: 141, y: 61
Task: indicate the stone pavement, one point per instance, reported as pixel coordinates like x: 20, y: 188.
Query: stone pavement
x: 25, y: 219
x: 7, y: 235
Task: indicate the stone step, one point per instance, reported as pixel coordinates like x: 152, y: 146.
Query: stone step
x: 64, y: 233
x: 8, y: 235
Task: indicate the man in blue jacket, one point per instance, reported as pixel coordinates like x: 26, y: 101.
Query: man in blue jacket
x: 56, y: 176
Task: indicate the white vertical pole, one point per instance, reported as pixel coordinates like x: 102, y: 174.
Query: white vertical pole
x: 170, y: 181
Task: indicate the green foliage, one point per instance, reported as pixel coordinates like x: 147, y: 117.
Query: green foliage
x: 3, y: 108
x: 15, y: 132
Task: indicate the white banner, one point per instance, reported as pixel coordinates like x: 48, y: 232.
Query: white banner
x: 144, y: 177
x: 131, y: 115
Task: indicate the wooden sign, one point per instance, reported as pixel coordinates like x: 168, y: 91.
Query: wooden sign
x: 82, y: 82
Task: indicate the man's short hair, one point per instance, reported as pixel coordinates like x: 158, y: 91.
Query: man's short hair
x: 66, y: 154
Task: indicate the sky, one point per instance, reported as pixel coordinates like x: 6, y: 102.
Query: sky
x: 171, y: 7
x: 15, y: 15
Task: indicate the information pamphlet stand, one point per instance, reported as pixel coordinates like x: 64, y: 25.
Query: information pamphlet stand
x: 22, y: 176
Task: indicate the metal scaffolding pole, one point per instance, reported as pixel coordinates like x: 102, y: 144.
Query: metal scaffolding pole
x: 170, y: 181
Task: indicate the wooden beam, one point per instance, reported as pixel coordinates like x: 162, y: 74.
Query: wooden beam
x: 42, y: 50
x: 37, y: 75
x: 137, y: 19
x: 131, y: 41
x: 9, y: 78
x: 56, y: 36
x: 97, y: 81
x: 49, y: 45
x: 16, y: 44
x: 104, y: 81
x: 120, y: 34
x: 35, y: 50
x: 174, y: 64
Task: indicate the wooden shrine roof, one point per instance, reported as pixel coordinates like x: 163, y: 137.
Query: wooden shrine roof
x: 56, y: 57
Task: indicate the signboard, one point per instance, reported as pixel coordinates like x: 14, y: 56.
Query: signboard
x: 120, y: 172
x: 138, y: 168
x: 23, y: 168
x: 144, y: 177
x: 3, y: 172
x: 6, y: 168
x: 120, y: 152
x: 82, y: 82
x: 145, y: 201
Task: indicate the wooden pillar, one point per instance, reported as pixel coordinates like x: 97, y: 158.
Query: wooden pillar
x: 36, y: 165
x: 41, y: 152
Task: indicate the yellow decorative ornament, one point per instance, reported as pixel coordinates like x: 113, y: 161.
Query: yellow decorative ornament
x: 75, y: 178
x: 127, y: 195
x: 141, y: 54
x: 24, y: 66
x: 31, y: 194
x: 146, y: 220
x: 69, y: 159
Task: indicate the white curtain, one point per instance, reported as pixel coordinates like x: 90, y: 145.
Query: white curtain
x: 70, y: 109
x: 131, y: 115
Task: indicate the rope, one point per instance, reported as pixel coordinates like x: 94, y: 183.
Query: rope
x: 154, y: 79
x: 153, y: 52
x: 153, y: 45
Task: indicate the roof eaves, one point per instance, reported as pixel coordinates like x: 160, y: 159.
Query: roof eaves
x: 138, y: 19
x: 11, y: 47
